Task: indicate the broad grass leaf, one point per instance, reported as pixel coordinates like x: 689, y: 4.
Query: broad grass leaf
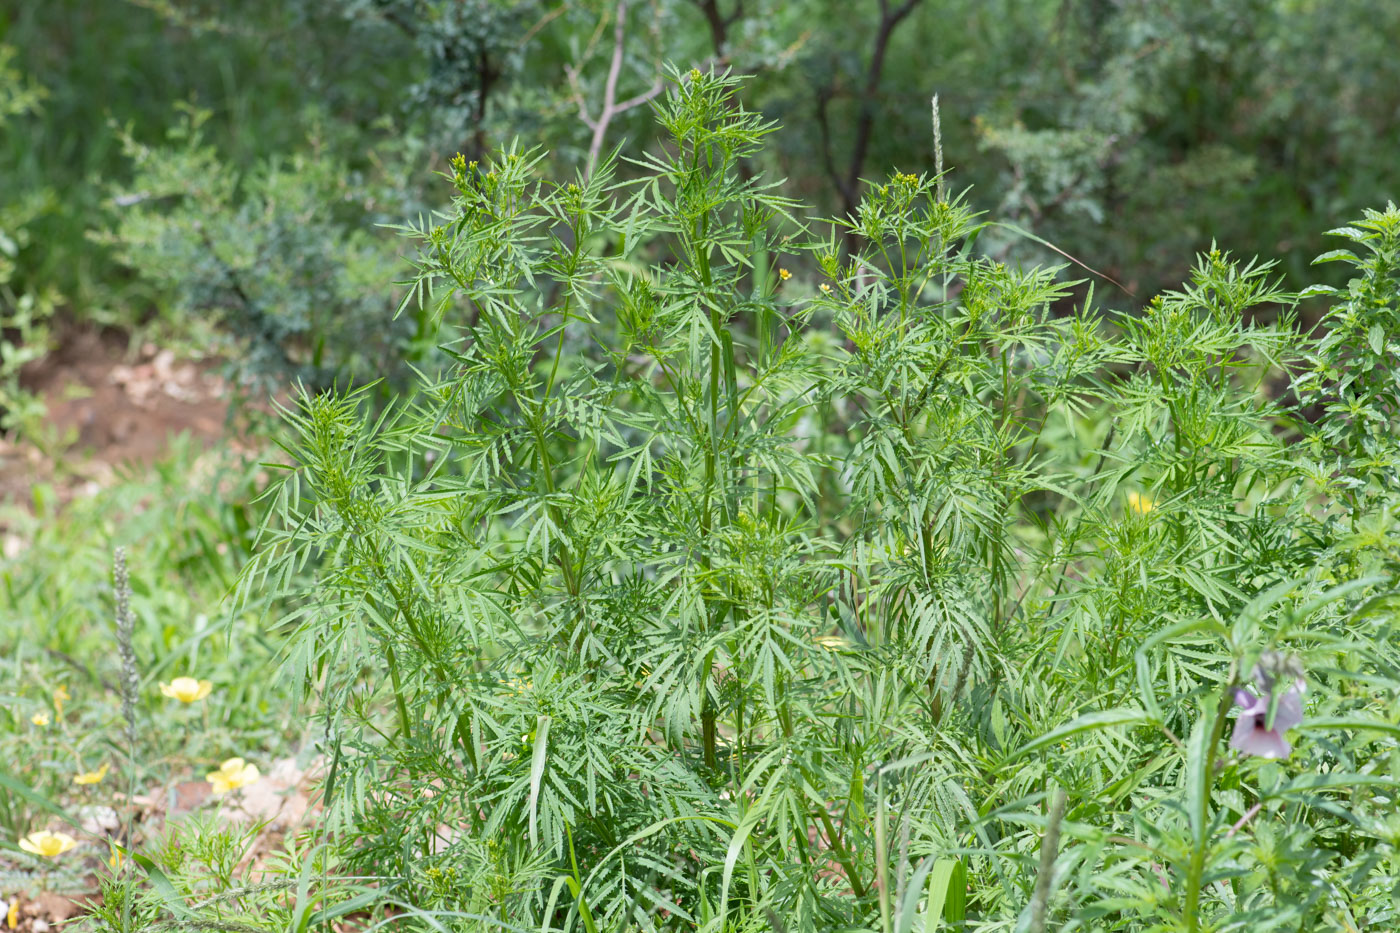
x: 1089, y: 722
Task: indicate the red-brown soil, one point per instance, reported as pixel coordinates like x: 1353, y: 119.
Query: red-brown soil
x: 109, y: 404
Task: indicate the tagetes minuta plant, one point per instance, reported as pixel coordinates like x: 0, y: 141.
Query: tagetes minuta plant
x: 186, y: 689
x: 47, y: 844
x: 232, y: 774
x: 92, y: 777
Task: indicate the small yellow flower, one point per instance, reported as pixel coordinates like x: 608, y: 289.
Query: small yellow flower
x: 47, y: 844
x: 12, y: 915
x: 114, y: 861
x: 826, y: 288
x: 91, y: 777
x: 232, y: 774
x: 834, y: 642
x: 40, y: 719
x: 1140, y: 504
x: 784, y: 274
x: 186, y: 689
x: 60, y: 696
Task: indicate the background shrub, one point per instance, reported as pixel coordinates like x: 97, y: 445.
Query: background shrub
x: 1238, y: 121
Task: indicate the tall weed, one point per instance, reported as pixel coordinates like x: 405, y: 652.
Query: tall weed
x: 702, y: 594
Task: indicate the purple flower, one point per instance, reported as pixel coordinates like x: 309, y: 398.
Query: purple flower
x: 1252, y: 737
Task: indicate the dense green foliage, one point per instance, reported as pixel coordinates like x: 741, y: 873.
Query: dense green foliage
x: 703, y: 529
x: 696, y: 596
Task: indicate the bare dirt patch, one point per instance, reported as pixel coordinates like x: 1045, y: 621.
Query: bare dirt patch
x: 109, y: 405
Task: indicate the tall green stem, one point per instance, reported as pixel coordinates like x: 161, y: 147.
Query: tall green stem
x: 1195, y: 869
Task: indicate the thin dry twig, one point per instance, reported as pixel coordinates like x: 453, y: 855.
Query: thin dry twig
x: 611, y: 106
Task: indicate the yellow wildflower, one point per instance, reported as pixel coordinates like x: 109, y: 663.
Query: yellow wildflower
x: 92, y: 777
x: 60, y: 696
x: 115, y: 859
x: 784, y: 274
x: 47, y: 844
x: 12, y: 914
x: 834, y: 642
x: 1140, y: 504
x: 826, y: 288
x: 40, y: 719
x: 232, y: 774
x: 186, y: 689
